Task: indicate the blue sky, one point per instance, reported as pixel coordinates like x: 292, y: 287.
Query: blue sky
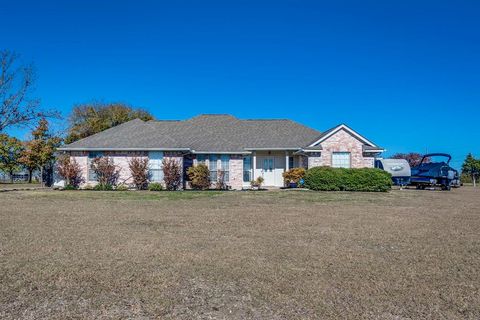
x: 406, y: 74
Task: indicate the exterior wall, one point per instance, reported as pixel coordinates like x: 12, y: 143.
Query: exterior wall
x: 303, y: 162
x: 81, y: 157
x: 369, y: 160
x: 342, y: 141
x: 120, y: 159
x: 314, y: 160
x: 236, y: 172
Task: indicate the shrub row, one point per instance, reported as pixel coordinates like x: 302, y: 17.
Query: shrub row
x: 341, y: 179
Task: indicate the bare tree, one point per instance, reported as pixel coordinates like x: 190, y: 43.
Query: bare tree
x: 17, y: 108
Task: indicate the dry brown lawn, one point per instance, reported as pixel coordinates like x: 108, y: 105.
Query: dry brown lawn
x: 240, y: 255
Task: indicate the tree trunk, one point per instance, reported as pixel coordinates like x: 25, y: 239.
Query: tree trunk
x: 30, y: 172
x: 41, y: 176
x: 11, y: 176
x: 474, y: 182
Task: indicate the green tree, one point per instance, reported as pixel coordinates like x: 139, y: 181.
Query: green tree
x: 39, y: 151
x: 471, y: 167
x: 28, y: 160
x: 91, y: 118
x: 10, y: 153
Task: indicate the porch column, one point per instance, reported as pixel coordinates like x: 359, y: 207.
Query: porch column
x: 254, y: 165
x: 287, y: 162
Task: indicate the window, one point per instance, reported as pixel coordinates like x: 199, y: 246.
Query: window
x: 268, y: 165
x: 155, y: 168
x: 92, y: 176
x: 290, y: 163
x: 226, y: 167
x: 341, y: 159
x: 201, y: 158
x: 247, y: 169
x: 212, y: 166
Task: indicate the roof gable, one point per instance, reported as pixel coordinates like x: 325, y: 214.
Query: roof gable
x: 327, y: 134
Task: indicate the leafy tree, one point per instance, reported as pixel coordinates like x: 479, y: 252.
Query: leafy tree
x: 16, y: 84
x: 39, y: 151
x: 471, y: 167
x: 91, y: 118
x: 139, y: 170
x: 70, y: 170
x: 28, y: 161
x: 10, y: 153
x: 172, y: 174
x: 413, y: 158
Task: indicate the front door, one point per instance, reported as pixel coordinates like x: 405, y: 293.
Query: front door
x: 268, y: 171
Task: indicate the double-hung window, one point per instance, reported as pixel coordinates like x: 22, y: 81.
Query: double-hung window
x: 341, y: 159
x: 213, y: 167
x: 92, y: 176
x: 226, y: 167
x: 155, y: 167
x: 247, y: 169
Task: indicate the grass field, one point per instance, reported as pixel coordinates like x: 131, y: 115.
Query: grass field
x: 235, y: 255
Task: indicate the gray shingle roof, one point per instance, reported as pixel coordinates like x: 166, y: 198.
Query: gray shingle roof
x: 208, y: 133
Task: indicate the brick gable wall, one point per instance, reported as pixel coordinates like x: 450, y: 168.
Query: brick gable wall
x: 341, y: 141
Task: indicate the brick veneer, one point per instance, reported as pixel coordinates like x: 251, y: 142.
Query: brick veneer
x: 236, y: 172
x: 121, y: 160
x: 341, y: 141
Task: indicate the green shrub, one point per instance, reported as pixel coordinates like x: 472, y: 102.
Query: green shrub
x: 341, y: 179
x: 199, y: 176
x: 69, y: 187
x: 103, y: 187
x: 155, y: 186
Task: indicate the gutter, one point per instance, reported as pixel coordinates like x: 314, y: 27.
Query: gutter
x: 124, y: 149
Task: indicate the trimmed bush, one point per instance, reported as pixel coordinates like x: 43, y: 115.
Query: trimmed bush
x: 341, y: 179
x: 155, y: 186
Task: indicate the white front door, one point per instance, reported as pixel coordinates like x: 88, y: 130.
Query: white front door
x: 268, y: 171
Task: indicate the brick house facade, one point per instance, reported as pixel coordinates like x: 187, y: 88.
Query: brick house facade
x: 244, y: 149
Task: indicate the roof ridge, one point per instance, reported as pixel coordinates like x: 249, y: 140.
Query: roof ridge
x: 266, y: 119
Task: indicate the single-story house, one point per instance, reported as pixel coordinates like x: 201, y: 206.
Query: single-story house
x: 243, y: 149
